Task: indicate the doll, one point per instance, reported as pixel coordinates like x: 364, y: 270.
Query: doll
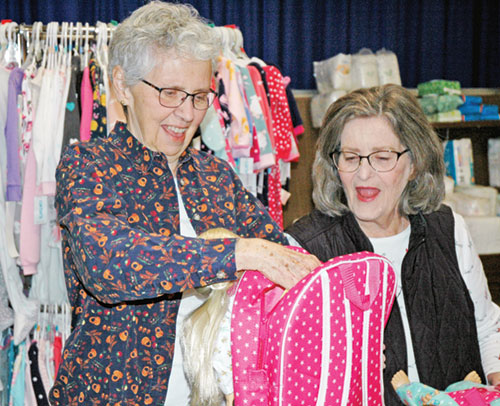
x: 468, y: 392
x: 206, y: 342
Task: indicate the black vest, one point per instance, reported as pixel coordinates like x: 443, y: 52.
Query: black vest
x: 440, y: 310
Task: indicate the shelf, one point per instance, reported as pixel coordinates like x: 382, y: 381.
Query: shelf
x: 468, y: 124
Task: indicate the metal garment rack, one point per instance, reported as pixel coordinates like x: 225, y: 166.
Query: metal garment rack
x: 25, y: 34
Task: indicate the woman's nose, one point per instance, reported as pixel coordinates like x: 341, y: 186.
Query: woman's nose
x: 186, y: 109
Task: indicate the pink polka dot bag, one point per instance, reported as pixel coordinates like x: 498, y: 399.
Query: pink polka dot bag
x: 321, y: 342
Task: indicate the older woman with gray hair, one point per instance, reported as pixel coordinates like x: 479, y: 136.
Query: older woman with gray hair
x: 378, y: 186
x: 131, y: 207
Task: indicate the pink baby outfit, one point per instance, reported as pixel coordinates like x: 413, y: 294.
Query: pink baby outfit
x: 318, y: 344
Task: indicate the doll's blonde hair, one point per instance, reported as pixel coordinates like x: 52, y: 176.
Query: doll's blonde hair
x: 198, y: 336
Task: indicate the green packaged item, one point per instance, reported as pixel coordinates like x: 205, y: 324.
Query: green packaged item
x: 448, y: 102
x: 439, y: 86
x: 433, y: 103
x: 429, y: 103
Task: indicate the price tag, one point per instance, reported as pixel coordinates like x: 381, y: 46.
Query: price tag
x: 41, y: 210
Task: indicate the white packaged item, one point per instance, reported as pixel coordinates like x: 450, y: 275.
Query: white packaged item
x: 485, y: 233
x: 341, y: 71
x: 488, y: 193
x: 467, y: 205
x: 388, y: 67
x: 333, y: 73
x: 364, y: 69
x: 323, y: 75
x: 494, y: 161
x: 320, y: 104
x: 458, y: 161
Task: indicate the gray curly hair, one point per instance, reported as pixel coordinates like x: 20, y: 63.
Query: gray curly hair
x: 159, y: 27
x: 425, y: 191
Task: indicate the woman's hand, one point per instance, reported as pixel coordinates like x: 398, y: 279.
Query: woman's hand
x: 283, y: 266
x: 494, y: 378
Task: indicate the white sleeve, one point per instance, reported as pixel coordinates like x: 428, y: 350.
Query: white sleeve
x: 487, y: 313
x: 221, y: 360
x: 292, y: 241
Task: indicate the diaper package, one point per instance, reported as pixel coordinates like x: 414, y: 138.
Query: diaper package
x: 333, y: 73
x: 364, y: 69
x: 388, y: 67
x: 458, y: 161
x: 494, y: 161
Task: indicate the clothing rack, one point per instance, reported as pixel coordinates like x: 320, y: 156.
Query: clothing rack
x: 24, y: 34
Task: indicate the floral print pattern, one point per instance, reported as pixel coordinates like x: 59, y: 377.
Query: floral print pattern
x: 125, y: 262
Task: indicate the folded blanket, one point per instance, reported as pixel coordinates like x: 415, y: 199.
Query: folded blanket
x: 484, y: 109
x: 480, y: 117
x: 471, y: 99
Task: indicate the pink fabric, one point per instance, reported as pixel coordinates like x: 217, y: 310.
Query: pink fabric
x: 280, y: 110
x: 474, y: 396
x: 57, y: 353
x: 86, y: 104
x: 29, y: 245
x: 321, y: 343
x: 240, y: 136
x: 274, y: 206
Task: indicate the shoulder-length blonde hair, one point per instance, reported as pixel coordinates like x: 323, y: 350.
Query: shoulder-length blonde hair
x: 425, y: 191
x: 199, y: 334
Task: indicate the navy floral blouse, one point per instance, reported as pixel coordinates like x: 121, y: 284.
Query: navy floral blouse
x: 126, y: 264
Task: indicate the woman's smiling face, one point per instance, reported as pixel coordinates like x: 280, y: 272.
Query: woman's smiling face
x: 164, y: 129
x: 372, y: 196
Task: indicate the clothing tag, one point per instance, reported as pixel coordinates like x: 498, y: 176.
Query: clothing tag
x: 41, y: 210
x: 246, y: 165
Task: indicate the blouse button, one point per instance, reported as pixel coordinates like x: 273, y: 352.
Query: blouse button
x: 196, y: 216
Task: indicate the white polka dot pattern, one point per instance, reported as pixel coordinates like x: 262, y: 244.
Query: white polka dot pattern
x: 294, y: 349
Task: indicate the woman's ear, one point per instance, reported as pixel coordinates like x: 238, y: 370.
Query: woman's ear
x: 413, y: 172
x: 120, y: 86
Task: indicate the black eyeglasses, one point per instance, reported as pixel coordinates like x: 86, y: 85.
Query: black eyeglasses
x: 380, y: 161
x: 172, y: 97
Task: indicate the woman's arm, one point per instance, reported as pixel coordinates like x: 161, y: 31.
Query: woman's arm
x: 118, y: 256
x: 487, y: 313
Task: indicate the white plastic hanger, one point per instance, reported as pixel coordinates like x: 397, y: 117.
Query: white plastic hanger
x: 10, y: 57
x: 86, y: 46
x: 3, y: 41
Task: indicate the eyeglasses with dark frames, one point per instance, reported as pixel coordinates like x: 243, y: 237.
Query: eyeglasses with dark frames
x: 172, y: 97
x: 380, y: 161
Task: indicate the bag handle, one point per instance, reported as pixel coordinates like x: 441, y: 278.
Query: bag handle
x: 361, y: 301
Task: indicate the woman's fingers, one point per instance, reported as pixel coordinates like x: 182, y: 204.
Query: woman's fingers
x: 281, y: 265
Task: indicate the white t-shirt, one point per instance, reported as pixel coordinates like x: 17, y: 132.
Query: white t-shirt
x: 178, y: 388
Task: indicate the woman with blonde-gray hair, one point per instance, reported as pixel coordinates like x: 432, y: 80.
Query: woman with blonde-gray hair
x: 131, y: 207
x: 378, y: 182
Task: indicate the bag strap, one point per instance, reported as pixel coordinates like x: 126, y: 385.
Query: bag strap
x: 269, y: 299
x: 361, y: 301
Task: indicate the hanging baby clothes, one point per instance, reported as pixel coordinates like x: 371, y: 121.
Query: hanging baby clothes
x: 240, y: 138
x: 86, y: 103
x: 72, y: 116
x: 98, y: 126
x: 13, y: 192
x: 40, y: 394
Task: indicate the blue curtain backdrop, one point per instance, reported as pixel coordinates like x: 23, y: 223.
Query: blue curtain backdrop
x: 433, y: 39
